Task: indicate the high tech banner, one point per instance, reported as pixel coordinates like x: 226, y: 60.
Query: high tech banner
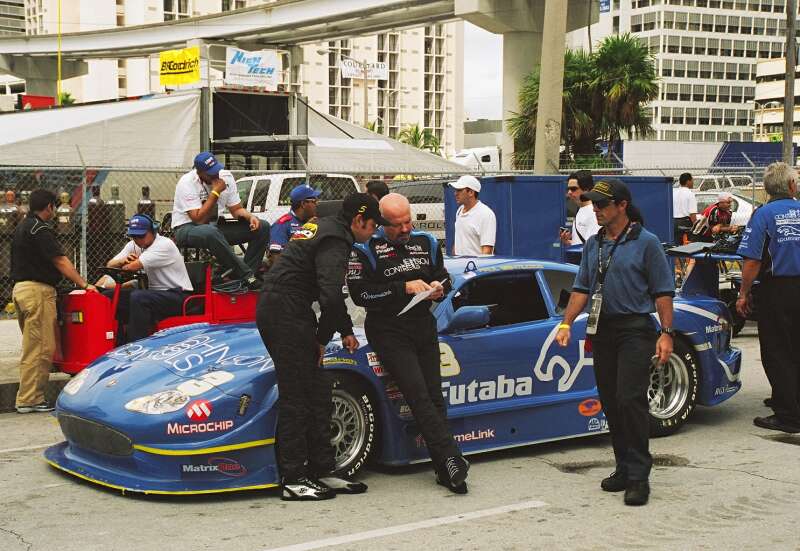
x: 252, y: 68
x: 179, y: 66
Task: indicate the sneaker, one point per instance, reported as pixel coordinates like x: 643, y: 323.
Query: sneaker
x: 456, y: 468
x: 44, y: 407
x: 768, y: 402
x: 616, y: 482
x: 459, y: 489
x: 253, y: 283
x: 774, y: 423
x: 637, y: 492
x: 342, y: 485
x: 305, y: 489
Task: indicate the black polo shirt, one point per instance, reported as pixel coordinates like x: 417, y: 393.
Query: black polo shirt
x: 32, y: 252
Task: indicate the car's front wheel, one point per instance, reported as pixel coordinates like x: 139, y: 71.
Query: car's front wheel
x: 354, y: 424
x: 673, y: 391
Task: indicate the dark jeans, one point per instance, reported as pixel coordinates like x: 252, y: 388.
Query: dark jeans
x: 778, y: 330
x: 287, y: 325
x: 622, y: 349
x: 141, y: 309
x: 408, y: 348
x: 218, y: 240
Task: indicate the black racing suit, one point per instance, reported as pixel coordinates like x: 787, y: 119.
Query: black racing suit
x: 407, y: 345
x: 311, y: 267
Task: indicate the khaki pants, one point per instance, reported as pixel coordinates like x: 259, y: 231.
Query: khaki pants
x: 36, y: 312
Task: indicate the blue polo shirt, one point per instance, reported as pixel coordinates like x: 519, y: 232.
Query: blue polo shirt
x: 775, y: 225
x: 638, y: 274
x: 282, y: 230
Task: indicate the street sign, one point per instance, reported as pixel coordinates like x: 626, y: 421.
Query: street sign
x: 605, y: 6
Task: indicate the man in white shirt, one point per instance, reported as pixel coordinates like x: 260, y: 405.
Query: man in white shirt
x: 684, y: 208
x: 476, y: 225
x: 198, y: 197
x: 585, y: 224
x: 168, y: 281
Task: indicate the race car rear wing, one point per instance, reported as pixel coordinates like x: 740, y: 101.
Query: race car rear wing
x: 703, y: 276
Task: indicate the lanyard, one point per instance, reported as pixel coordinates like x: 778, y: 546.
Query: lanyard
x: 601, y: 268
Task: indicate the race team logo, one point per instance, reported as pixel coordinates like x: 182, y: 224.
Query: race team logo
x: 306, y: 231
x: 590, y: 407
x: 199, y: 410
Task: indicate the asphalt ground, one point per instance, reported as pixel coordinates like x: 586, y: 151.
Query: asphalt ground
x: 719, y: 483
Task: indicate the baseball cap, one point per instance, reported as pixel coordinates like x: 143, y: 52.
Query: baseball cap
x: 724, y: 196
x: 606, y: 190
x: 467, y: 181
x: 139, y: 225
x: 206, y: 162
x: 303, y: 192
x: 365, y: 205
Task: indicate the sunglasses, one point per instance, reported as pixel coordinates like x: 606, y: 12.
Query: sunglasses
x: 603, y: 203
x: 573, y: 188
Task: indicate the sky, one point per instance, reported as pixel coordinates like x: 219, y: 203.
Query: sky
x: 483, y: 82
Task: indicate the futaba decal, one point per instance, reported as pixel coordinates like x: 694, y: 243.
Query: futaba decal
x: 479, y: 391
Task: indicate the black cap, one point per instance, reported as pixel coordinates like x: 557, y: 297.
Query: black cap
x: 365, y: 205
x: 609, y: 189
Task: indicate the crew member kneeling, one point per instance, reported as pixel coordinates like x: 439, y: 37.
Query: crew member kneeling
x: 384, y: 274
x: 168, y: 281
x: 626, y: 274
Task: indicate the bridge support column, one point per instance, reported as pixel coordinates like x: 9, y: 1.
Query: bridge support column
x: 40, y: 72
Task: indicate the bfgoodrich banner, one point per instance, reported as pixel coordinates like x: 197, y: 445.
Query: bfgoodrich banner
x: 252, y: 68
x: 179, y: 66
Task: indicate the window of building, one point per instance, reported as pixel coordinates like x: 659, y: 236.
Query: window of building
x: 176, y: 9
x: 671, y: 135
x: 649, y: 21
x: 777, y: 50
x: 697, y: 136
x: 724, y: 94
x: 737, y: 93
x: 681, y: 20
x: 679, y: 68
x: 711, y: 93
x: 726, y: 47
x: 705, y: 69
x: 708, y: 23
x: 685, y: 92
x: 691, y: 115
x: 730, y: 71
x: 746, y: 25
x: 720, y: 23
x: 671, y: 90
x: 733, y: 24
x: 666, y: 67
x: 744, y: 71
x: 716, y: 116
x: 719, y: 70
x: 699, y: 46
x: 759, y: 25
x: 738, y: 48
x: 692, y: 69
x: 741, y: 117
x: 751, y: 48
x: 666, y: 112
x: 763, y: 50
x: 749, y: 93
x: 713, y: 46
x: 694, y: 21
x: 686, y: 44
x: 704, y: 116
x: 697, y: 92
x: 673, y: 44
x: 729, y: 117
x: 709, y: 136
x: 677, y: 115
x: 636, y: 24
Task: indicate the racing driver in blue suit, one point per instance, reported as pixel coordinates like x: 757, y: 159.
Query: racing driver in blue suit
x: 383, y: 276
x: 303, y: 199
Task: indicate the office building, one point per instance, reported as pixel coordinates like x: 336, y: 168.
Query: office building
x: 770, y: 94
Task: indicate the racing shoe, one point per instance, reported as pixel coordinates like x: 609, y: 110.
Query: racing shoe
x: 44, y: 407
x: 459, y: 489
x: 616, y: 482
x: 773, y: 422
x: 342, y: 485
x: 253, y: 283
x: 456, y: 468
x: 637, y: 492
x: 305, y: 489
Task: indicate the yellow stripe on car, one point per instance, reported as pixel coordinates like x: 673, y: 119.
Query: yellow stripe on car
x: 217, y: 449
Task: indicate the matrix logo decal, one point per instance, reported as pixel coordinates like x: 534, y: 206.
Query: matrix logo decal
x: 216, y: 465
x: 199, y: 410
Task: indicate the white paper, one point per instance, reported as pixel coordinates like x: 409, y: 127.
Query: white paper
x: 416, y: 299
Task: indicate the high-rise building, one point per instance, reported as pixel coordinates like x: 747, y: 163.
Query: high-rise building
x: 705, y: 53
x: 12, y: 17
x: 770, y: 96
x: 425, y: 65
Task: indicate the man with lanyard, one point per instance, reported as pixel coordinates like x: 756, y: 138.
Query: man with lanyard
x: 312, y: 268
x: 626, y: 274
x: 168, y: 281
x: 303, y: 199
x: 771, y: 249
x: 717, y: 218
x: 383, y: 276
x: 585, y: 224
x: 195, y: 214
x: 684, y: 208
x: 37, y: 265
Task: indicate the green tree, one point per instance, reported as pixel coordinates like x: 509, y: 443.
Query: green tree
x: 604, y: 96
x: 65, y: 98
x: 414, y: 136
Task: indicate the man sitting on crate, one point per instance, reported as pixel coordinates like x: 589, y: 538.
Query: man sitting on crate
x: 168, y: 280
x: 199, y: 196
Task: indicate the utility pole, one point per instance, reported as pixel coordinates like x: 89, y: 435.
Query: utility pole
x: 788, y: 101
x: 365, y: 68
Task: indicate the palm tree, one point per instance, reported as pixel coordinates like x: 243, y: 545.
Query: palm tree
x: 625, y: 80
x: 65, y: 98
x: 414, y: 136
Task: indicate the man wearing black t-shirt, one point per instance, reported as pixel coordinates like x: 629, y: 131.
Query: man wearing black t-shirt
x: 37, y: 265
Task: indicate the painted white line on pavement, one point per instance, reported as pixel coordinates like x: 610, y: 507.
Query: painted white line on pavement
x: 28, y: 448
x: 410, y: 527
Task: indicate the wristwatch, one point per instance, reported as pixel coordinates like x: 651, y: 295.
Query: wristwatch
x: 667, y: 331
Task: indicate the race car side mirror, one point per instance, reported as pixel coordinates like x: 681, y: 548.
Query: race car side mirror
x: 469, y: 317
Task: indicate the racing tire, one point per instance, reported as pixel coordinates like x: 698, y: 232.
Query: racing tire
x: 672, y: 393
x: 354, y: 424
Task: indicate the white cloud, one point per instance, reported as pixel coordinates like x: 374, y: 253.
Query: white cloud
x: 483, y: 73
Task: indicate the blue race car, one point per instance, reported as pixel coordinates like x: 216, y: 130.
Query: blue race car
x: 192, y: 409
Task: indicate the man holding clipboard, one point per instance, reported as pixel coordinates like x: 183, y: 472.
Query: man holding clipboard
x: 398, y: 265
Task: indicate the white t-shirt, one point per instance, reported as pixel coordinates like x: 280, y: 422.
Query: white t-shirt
x: 475, y: 228
x: 586, y: 223
x: 684, y: 203
x: 162, y: 262
x: 191, y: 191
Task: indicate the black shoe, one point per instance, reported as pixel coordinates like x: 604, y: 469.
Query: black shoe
x: 460, y: 489
x: 456, y: 468
x: 616, y: 482
x: 768, y: 402
x: 774, y: 423
x: 305, y: 489
x: 342, y: 485
x: 44, y: 407
x: 253, y: 283
x: 637, y: 492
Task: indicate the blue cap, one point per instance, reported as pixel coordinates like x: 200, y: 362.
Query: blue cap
x: 303, y: 192
x: 139, y: 225
x: 206, y: 162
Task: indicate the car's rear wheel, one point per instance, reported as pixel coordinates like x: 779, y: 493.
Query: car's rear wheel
x: 673, y: 391
x: 354, y: 424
